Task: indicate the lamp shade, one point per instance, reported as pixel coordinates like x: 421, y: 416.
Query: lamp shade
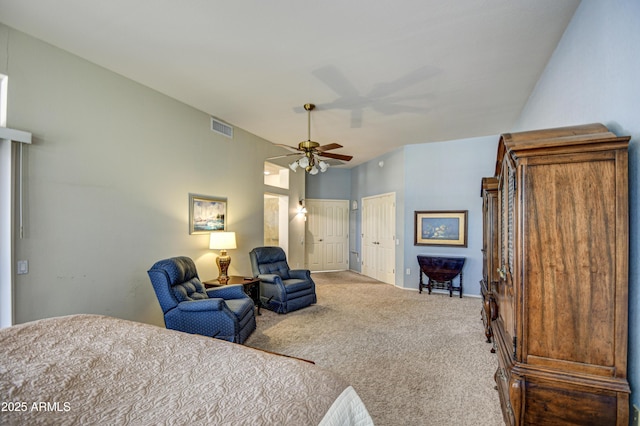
x: 222, y: 240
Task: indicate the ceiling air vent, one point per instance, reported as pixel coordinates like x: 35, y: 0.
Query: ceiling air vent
x: 222, y: 128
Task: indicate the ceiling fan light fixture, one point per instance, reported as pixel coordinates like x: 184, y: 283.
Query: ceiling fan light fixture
x: 312, y: 151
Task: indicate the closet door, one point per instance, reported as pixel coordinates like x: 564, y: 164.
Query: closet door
x: 370, y: 219
x: 327, y: 239
x: 378, y: 237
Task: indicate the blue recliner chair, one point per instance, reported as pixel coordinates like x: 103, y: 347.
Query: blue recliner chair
x: 281, y: 289
x: 223, y: 312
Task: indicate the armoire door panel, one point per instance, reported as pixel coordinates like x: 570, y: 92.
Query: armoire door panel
x: 568, y: 267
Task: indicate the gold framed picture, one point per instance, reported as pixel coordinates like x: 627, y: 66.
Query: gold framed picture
x: 441, y: 228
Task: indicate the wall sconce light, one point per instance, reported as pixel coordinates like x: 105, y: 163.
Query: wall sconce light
x: 302, y: 210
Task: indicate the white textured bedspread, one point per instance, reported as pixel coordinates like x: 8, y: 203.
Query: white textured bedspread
x: 97, y: 370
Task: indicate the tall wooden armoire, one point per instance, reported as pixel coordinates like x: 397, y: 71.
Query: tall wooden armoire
x: 562, y: 296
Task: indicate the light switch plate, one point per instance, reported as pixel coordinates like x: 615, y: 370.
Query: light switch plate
x: 23, y: 267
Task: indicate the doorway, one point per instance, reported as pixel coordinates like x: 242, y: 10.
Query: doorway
x: 276, y: 221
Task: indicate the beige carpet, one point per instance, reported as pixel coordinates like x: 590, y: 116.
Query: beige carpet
x: 414, y: 359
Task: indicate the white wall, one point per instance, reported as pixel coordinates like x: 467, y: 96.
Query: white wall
x: 593, y: 76
x: 107, y: 182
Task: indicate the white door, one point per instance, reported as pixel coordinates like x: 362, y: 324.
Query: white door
x: 327, y: 239
x: 370, y: 218
x: 378, y: 237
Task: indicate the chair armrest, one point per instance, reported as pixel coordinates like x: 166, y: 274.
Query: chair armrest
x: 213, y: 304
x: 233, y: 291
x: 270, y: 278
x: 301, y: 274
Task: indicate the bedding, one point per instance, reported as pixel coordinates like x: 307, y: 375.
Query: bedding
x: 92, y: 369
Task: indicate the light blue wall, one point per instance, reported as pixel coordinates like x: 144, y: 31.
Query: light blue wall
x: 381, y: 175
x: 593, y: 76
x: 334, y: 184
x: 429, y: 176
x: 447, y: 176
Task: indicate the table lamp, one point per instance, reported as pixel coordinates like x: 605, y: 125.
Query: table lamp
x: 222, y: 241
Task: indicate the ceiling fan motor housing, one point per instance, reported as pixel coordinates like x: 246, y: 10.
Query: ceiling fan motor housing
x: 308, y: 145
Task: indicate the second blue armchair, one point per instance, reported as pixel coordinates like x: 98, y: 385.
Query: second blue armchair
x: 281, y: 289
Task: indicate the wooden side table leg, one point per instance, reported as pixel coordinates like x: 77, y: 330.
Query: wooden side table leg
x: 257, y: 300
x: 253, y: 291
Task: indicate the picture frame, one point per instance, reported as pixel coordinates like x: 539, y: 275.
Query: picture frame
x: 207, y: 214
x: 441, y: 228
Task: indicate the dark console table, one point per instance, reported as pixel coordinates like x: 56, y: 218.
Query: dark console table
x: 440, y: 272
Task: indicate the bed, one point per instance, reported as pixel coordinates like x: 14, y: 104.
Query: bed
x: 93, y: 369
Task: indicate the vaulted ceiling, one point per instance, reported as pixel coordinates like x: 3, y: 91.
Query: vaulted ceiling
x: 382, y: 74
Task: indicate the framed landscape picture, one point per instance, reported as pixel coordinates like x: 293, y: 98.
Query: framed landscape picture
x: 441, y: 228
x: 207, y: 214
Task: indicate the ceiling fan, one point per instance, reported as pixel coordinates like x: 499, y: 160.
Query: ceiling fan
x: 311, y: 150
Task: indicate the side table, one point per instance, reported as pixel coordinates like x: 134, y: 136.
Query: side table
x: 441, y: 271
x: 251, y: 287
